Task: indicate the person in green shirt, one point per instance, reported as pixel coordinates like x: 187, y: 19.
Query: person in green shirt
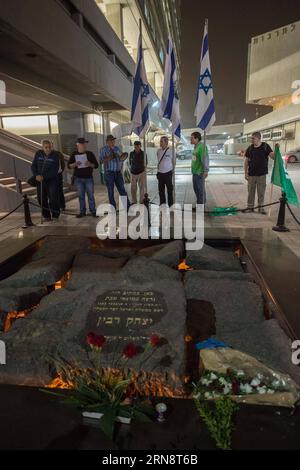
x: 200, y: 167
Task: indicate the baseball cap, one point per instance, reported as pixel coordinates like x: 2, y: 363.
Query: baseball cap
x: 110, y: 137
x: 81, y: 140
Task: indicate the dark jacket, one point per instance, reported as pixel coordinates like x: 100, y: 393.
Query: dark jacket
x: 137, y: 162
x: 83, y: 172
x: 46, y: 166
x: 62, y: 162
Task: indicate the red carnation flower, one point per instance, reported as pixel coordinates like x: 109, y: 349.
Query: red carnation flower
x: 90, y: 338
x: 154, y: 340
x: 130, y: 351
x: 235, y: 387
x: 99, y: 341
x: 95, y: 340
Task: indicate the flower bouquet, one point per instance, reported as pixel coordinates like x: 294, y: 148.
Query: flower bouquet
x: 102, y: 392
x: 228, y: 372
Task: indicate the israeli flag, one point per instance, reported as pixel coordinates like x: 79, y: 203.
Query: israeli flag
x: 205, y: 107
x: 169, y: 105
x: 141, y: 95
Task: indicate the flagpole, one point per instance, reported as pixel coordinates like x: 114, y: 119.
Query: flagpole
x: 174, y: 166
x: 145, y: 136
x: 271, y: 199
x: 203, y: 186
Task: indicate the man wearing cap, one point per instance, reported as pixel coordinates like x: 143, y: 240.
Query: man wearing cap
x: 84, y: 162
x: 111, y: 157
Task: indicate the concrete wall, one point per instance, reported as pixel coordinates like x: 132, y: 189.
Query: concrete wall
x: 274, y: 63
x: 47, y: 24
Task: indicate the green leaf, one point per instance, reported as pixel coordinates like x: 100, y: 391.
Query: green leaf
x: 107, y: 422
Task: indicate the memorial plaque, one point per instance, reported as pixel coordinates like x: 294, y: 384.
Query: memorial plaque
x: 126, y: 315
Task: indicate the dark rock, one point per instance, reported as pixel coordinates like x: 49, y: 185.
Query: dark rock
x: 40, y: 272
x: 213, y: 259
x: 171, y: 255
x: 237, y: 303
x: 23, y: 298
x: 58, y: 328
x: 201, y: 319
x: 199, y: 275
x: 151, y: 250
x: 56, y: 245
x: 141, y: 269
x: 92, y: 268
x: 110, y: 252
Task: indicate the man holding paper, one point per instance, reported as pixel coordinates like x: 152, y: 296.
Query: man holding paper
x: 84, y: 162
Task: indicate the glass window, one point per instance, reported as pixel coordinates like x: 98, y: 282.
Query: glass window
x: 53, y: 123
x: 89, y: 122
x: 26, y: 125
x: 97, y: 124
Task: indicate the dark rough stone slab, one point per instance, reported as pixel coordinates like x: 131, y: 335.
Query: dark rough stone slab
x: 171, y: 255
x: 56, y: 245
x: 199, y: 275
x: 12, y: 299
x: 142, y: 269
x: 41, y: 272
x: 110, y: 252
x: 92, y: 268
x: 201, y: 319
x: 267, y: 342
x: 60, y: 325
x: 237, y: 303
x: 213, y: 259
x: 151, y: 250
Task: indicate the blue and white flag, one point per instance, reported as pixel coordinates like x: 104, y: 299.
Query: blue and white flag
x: 169, y: 105
x: 205, y: 107
x: 141, y: 95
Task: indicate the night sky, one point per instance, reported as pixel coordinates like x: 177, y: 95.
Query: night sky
x: 231, y: 25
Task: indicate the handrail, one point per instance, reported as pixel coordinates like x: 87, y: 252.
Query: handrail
x: 26, y: 144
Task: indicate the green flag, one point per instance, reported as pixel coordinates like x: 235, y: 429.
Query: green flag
x: 280, y: 177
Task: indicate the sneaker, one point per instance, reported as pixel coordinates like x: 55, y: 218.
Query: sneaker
x: 262, y: 211
x: 248, y: 210
x: 94, y: 214
x: 79, y: 216
x: 46, y: 219
x: 54, y: 220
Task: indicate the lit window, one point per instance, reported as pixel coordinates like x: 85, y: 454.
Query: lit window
x: 113, y: 124
x: 53, y: 123
x: 26, y: 125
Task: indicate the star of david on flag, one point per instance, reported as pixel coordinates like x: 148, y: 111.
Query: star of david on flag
x: 205, y: 107
x: 205, y: 82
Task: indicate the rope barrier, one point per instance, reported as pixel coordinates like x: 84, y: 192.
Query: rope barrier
x: 48, y: 209
x: 11, y: 212
x: 292, y: 214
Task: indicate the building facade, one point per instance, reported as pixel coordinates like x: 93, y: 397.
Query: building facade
x: 68, y: 65
x: 274, y: 80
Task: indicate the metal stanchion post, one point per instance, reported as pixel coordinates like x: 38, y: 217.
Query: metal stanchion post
x: 147, y: 204
x: 280, y: 227
x: 27, y: 216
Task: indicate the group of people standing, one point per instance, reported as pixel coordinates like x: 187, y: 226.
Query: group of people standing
x: 49, y: 164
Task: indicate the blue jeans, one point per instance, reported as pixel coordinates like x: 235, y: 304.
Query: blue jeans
x: 86, y: 186
x: 199, y: 188
x: 113, y: 178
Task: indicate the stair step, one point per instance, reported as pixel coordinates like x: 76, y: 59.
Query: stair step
x: 7, y: 180
x: 70, y: 196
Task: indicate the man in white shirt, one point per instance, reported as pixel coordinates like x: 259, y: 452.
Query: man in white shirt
x: 165, y: 168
